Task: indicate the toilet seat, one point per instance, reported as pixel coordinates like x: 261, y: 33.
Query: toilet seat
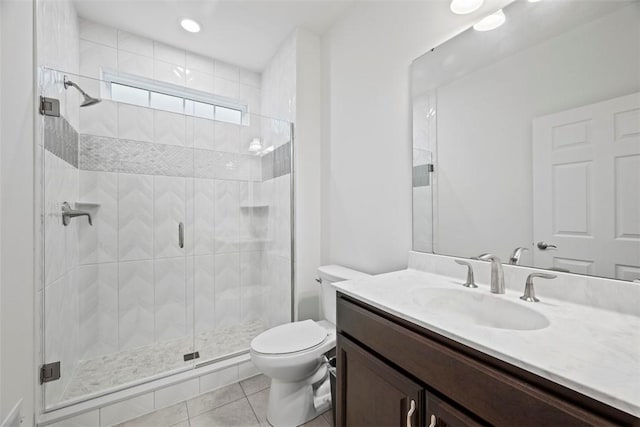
x: 289, y: 338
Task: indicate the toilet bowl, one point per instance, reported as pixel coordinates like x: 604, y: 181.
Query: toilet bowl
x: 292, y: 356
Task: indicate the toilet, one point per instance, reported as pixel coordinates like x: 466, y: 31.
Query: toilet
x: 292, y: 356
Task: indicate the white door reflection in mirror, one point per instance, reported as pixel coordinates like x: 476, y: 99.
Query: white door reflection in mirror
x: 586, y: 188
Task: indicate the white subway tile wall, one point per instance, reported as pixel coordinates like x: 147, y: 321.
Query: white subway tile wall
x: 105, y: 48
x: 94, y: 57
x: 132, y: 63
x: 132, y: 43
x: 278, y: 99
x: 136, y: 321
x: 61, y: 259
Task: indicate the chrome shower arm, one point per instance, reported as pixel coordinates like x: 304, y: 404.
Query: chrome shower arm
x: 68, y: 83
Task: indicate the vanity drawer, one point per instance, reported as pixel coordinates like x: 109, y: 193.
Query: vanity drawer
x: 483, y: 388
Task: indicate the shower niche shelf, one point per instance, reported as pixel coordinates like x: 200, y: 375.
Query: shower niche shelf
x: 87, y: 205
x: 254, y: 206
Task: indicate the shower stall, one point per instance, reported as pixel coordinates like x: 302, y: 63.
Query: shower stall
x: 166, y: 239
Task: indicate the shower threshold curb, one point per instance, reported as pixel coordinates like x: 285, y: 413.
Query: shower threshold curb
x: 56, y: 415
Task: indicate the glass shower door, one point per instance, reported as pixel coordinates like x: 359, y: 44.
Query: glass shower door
x: 117, y: 294
x: 188, y: 254
x: 242, y: 227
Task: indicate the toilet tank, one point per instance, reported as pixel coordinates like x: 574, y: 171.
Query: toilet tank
x: 329, y: 274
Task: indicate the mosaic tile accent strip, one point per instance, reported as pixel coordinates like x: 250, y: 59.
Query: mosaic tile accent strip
x: 156, y: 159
x: 105, y: 154
x: 421, y: 176
x: 98, y: 153
x: 267, y: 166
x: 277, y: 163
x: 61, y: 139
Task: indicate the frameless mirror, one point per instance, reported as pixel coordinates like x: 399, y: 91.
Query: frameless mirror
x: 526, y: 140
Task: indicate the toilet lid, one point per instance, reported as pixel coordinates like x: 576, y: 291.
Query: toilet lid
x: 289, y: 338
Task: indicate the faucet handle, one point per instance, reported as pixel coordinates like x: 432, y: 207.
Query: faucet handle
x: 489, y: 257
x: 515, y: 256
x: 470, y: 283
x: 529, y: 293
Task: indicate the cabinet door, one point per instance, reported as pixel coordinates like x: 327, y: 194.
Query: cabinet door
x: 441, y: 414
x: 372, y: 393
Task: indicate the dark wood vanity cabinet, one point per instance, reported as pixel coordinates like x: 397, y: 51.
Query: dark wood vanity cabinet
x: 395, y: 394
x: 384, y: 363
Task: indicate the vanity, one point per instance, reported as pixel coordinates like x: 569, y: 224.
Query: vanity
x: 526, y: 149
x: 400, y: 363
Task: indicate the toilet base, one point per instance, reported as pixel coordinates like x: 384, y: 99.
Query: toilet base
x: 292, y: 403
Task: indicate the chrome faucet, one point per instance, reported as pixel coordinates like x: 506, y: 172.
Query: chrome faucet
x: 497, y: 275
x: 517, y: 253
x: 68, y: 214
x: 529, y: 293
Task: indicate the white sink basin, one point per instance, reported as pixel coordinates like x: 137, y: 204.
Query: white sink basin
x: 476, y: 307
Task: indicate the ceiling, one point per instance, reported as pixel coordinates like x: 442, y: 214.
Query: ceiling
x: 243, y: 32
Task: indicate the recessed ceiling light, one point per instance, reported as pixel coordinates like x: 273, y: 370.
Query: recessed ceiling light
x: 491, y: 22
x: 462, y: 7
x: 190, y: 25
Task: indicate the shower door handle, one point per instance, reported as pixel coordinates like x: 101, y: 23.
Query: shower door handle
x: 181, y: 235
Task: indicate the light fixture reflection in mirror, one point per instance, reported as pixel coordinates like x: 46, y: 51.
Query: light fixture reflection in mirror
x: 491, y: 22
x: 255, y: 145
x: 462, y: 7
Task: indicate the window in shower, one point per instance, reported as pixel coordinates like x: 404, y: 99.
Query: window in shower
x: 176, y: 99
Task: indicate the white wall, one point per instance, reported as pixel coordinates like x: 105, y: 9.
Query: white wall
x: 307, y: 171
x: 291, y: 90
x: 366, y: 158
x: 279, y: 82
x: 485, y: 134
x: 17, y: 366
x: 1, y: 405
x: 278, y: 99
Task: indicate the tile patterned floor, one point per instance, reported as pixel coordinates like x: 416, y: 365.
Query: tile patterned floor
x: 241, y: 404
x: 131, y: 366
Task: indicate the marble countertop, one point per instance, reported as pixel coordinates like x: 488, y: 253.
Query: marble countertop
x: 590, y: 350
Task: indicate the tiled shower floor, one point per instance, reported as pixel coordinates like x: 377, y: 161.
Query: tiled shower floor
x: 131, y: 366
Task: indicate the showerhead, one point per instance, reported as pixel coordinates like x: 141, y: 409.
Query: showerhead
x: 88, y: 99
